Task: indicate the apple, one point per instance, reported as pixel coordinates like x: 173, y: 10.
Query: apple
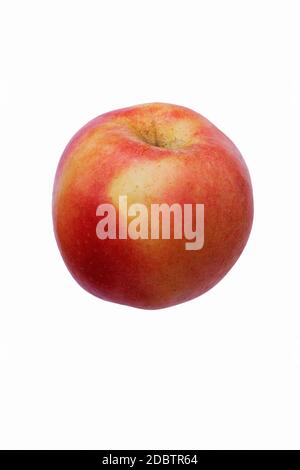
x: 152, y: 205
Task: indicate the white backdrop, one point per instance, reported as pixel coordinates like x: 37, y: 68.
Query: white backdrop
x: 221, y: 371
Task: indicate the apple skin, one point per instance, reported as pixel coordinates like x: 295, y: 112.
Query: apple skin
x: 153, y: 153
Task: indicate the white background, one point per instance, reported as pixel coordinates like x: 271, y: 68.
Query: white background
x: 221, y: 371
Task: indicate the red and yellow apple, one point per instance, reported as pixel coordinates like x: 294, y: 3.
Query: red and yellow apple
x: 152, y: 154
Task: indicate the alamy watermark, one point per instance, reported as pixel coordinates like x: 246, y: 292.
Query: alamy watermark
x: 154, y: 223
